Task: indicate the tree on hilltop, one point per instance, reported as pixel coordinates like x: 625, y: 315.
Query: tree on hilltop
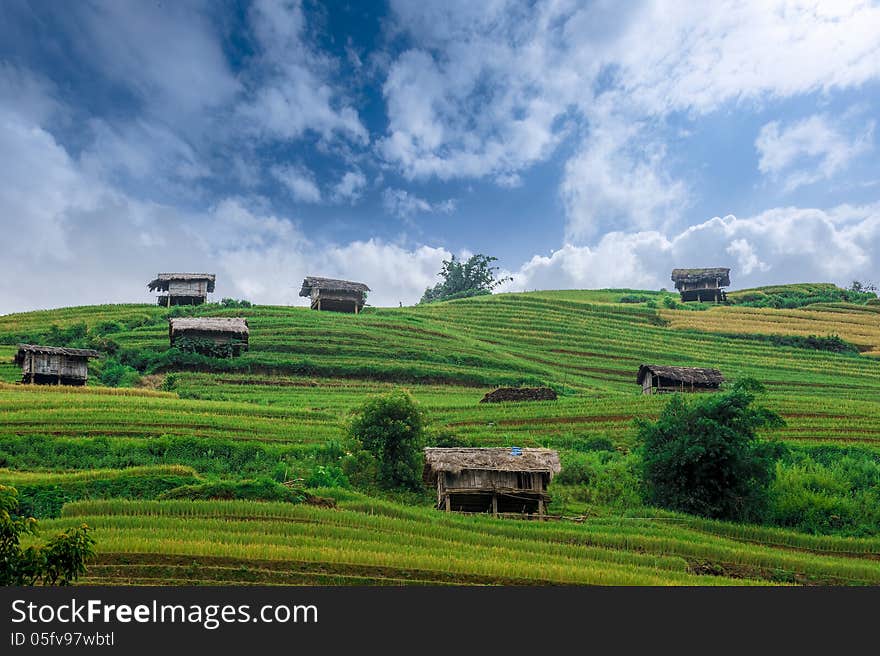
x: 474, y: 277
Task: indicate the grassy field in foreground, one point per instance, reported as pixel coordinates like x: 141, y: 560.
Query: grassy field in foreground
x: 293, y: 391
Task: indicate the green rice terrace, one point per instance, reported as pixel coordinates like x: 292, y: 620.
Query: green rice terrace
x: 200, y: 470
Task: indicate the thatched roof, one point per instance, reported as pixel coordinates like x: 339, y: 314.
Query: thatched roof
x: 455, y: 460
x: 53, y: 350
x: 687, y: 375
x: 235, y: 325
x: 690, y: 276
x: 331, y: 284
x: 163, y: 279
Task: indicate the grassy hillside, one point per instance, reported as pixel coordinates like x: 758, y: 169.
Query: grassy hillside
x: 272, y: 413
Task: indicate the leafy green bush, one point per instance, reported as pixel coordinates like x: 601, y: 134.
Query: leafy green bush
x: 704, y: 456
x: 233, y: 303
x: 633, y: 298
x: 58, y: 562
x: 391, y: 427
x: 113, y: 373
x: 327, y: 476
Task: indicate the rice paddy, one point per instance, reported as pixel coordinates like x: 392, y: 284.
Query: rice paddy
x: 294, y: 390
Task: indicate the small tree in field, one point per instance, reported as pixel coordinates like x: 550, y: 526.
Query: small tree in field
x: 704, y: 456
x: 391, y: 427
x: 474, y: 277
x: 58, y: 562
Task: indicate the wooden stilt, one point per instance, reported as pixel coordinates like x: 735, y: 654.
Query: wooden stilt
x: 541, y: 508
x: 495, y: 505
x: 448, y: 503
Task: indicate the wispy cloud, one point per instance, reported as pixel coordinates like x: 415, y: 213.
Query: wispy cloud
x: 404, y: 205
x: 809, y: 150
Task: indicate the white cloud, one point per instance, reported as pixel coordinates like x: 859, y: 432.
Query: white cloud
x: 808, y: 150
x: 781, y: 245
x: 71, y: 228
x: 404, y: 204
x: 617, y: 181
x: 294, y: 92
x: 494, y: 87
x: 350, y: 187
x: 299, y: 181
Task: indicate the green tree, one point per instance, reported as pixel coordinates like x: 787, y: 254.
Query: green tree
x: 58, y: 562
x: 474, y: 277
x: 704, y: 456
x: 391, y: 428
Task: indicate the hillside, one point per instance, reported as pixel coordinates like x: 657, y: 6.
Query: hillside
x: 280, y: 408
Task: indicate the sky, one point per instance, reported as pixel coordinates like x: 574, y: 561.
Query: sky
x: 583, y: 144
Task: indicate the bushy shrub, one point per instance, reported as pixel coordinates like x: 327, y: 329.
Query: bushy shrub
x: 58, y: 562
x: 327, y: 476
x: 234, y: 303
x: 633, y: 298
x: 391, y: 427
x: 113, y: 373
x: 704, y: 456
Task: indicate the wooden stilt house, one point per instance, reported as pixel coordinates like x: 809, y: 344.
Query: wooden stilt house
x: 659, y: 379
x: 183, y: 288
x: 216, y: 336
x: 54, y: 365
x: 333, y: 295
x: 701, y: 284
x: 496, y: 480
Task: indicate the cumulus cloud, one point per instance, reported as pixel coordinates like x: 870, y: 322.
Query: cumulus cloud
x: 808, y: 150
x: 782, y: 245
x: 404, y: 205
x: 299, y: 181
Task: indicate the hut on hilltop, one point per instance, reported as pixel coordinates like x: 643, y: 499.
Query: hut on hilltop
x: 217, y: 336
x: 183, y: 288
x: 335, y: 295
x: 496, y: 480
x: 54, y: 365
x: 701, y: 284
x: 659, y: 379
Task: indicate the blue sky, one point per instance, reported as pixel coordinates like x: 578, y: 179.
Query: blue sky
x: 585, y: 144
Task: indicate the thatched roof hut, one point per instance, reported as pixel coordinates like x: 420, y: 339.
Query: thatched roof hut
x: 183, y: 288
x: 334, y: 295
x: 701, y: 284
x: 497, y: 480
x: 54, y: 365
x: 656, y: 378
x: 206, y: 333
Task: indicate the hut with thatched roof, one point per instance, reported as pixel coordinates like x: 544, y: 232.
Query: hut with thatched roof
x: 182, y: 288
x: 216, y: 336
x: 701, y: 284
x: 54, y: 365
x: 496, y: 480
x: 335, y: 295
x: 659, y: 379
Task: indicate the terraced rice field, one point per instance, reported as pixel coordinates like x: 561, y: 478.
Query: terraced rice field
x: 305, y: 371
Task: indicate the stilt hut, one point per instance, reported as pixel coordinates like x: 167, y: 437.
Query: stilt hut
x: 496, y: 480
x: 334, y: 295
x: 54, y: 365
x: 701, y: 284
x: 183, y: 288
x: 658, y: 379
x: 217, y: 336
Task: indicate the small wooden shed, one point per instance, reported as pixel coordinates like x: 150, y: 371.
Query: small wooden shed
x: 496, y: 480
x: 203, y: 334
x: 183, y: 288
x: 54, y: 365
x: 335, y: 295
x: 701, y: 284
x: 659, y: 379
